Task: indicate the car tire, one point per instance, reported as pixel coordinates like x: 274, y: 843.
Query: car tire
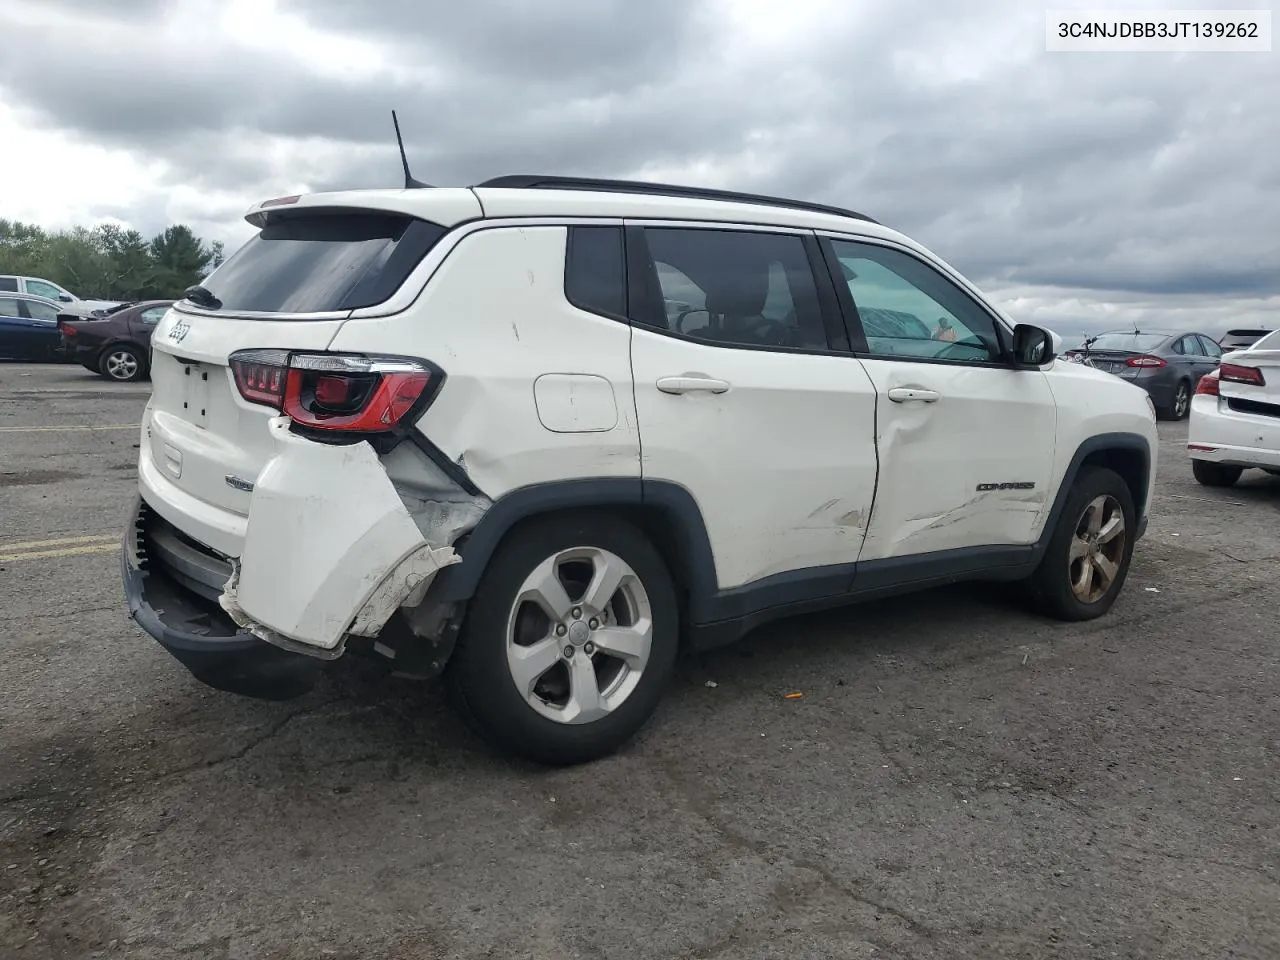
x: 523, y: 677
x: 1210, y: 474
x: 1072, y: 583
x: 122, y: 362
x: 1180, y: 406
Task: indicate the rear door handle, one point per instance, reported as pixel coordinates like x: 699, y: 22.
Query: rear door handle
x: 689, y: 384
x: 916, y: 394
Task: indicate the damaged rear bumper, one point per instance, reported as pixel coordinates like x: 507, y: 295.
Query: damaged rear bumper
x: 167, y: 588
x: 330, y: 548
x: 337, y: 542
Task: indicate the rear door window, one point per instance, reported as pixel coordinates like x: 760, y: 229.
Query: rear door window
x: 321, y: 262
x: 9, y: 283
x: 735, y: 288
x: 42, y: 311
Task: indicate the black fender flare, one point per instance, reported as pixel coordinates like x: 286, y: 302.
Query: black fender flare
x: 1098, y: 447
x: 654, y: 502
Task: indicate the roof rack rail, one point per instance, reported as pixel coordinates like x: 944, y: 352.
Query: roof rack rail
x: 531, y: 182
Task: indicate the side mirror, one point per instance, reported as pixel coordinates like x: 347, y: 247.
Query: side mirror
x: 66, y: 298
x: 1034, y: 346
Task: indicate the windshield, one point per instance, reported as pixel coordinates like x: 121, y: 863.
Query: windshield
x: 318, y: 262
x: 1134, y: 342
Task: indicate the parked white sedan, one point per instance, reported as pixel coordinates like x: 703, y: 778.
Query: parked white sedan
x: 1235, y: 415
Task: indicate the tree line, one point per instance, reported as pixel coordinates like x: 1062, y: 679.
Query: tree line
x: 109, y: 262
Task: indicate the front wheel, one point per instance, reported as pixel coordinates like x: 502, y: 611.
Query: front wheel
x: 1088, y: 556
x: 1210, y: 474
x: 569, y: 639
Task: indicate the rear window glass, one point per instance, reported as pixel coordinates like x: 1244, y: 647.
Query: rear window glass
x: 9, y: 283
x: 1270, y: 342
x: 1136, y: 342
x: 319, y: 262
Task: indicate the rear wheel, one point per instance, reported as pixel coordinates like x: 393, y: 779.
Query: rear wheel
x: 569, y: 640
x: 123, y: 362
x: 1180, y: 405
x: 1211, y: 474
x: 1087, y: 560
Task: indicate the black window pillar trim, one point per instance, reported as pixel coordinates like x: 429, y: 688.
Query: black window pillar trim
x: 828, y: 296
x: 854, y: 333
x: 644, y: 297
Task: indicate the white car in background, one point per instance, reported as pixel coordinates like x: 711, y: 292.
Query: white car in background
x: 1235, y: 415
x: 67, y: 301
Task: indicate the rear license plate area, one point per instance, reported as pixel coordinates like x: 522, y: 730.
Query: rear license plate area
x: 195, y: 393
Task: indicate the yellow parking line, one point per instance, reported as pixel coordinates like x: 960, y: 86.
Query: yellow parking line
x: 61, y: 541
x: 67, y: 552
x: 108, y: 426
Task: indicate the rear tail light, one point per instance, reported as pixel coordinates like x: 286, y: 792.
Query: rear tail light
x: 66, y: 329
x: 333, y: 391
x: 1208, y: 385
x: 1144, y: 361
x: 1235, y: 373
x: 260, y: 375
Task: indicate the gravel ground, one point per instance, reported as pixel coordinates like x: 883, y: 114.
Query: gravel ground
x: 960, y: 779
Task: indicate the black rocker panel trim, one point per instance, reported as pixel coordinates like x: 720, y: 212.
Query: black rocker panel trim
x: 721, y: 616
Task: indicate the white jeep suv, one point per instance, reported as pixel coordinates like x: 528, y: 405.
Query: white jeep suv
x: 540, y: 434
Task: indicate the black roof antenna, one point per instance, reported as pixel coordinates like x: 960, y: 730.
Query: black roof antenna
x: 409, y: 182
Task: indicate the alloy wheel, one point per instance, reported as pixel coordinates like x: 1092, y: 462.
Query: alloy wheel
x: 1097, y: 549
x: 579, y: 635
x: 121, y: 365
x: 1181, y: 400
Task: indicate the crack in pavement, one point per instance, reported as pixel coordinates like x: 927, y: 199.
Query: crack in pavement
x: 239, y: 753
x: 1192, y: 859
x: 698, y: 805
x: 27, y: 617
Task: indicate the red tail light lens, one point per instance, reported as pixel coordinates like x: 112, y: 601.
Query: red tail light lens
x: 66, y: 329
x: 260, y: 375
x: 331, y: 391
x: 1208, y: 385
x: 1144, y: 361
x: 1235, y: 373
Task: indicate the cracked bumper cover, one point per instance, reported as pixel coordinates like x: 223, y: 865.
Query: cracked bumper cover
x: 330, y: 548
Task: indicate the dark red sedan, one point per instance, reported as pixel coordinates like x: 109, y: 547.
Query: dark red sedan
x: 119, y: 345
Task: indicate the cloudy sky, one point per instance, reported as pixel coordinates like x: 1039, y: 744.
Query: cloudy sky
x: 1082, y: 190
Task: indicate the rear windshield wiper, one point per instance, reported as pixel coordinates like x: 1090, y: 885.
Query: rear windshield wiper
x: 201, y: 297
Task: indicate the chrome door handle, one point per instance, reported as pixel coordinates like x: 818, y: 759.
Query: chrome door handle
x: 689, y: 384
x: 909, y: 394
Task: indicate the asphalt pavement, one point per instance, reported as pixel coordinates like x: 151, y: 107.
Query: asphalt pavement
x: 959, y: 779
